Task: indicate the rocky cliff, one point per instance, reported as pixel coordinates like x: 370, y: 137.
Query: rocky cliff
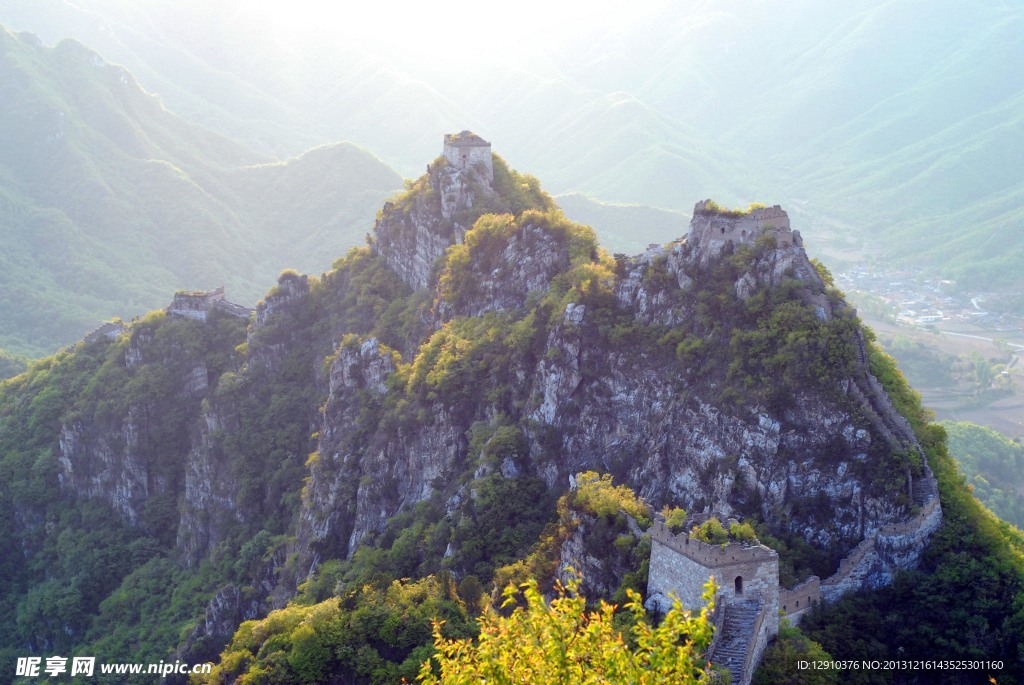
x: 428, y: 398
x: 652, y: 368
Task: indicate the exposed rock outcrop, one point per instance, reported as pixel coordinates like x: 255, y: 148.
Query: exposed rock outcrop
x: 622, y: 409
x: 504, y: 270
x: 411, y: 234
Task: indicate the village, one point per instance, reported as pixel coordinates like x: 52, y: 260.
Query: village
x: 942, y: 326
x: 917, y: 299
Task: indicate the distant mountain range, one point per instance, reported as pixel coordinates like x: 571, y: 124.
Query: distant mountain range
x: 109, y: 202
x: 895, y: 124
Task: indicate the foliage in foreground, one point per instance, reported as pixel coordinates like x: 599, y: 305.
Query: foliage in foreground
x: 374, y: 634
x: 560, y: 642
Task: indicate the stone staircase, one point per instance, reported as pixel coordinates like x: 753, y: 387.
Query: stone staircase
x: 737, y: 634
x: 925, y: 488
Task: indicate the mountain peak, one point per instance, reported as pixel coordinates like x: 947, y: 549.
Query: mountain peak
x: 467, y: 181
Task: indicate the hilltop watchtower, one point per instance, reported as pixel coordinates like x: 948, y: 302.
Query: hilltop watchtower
x: 468, y: 151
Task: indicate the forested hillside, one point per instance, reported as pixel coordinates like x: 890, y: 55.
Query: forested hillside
x: 110, y: 202
x: 992, y: 465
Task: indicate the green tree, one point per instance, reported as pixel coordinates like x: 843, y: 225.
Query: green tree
x: 560, y: 642
x: 675, y: 519
x: 780, y: 662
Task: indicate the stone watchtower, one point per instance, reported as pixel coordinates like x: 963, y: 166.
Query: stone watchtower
x: 468, y: 151
x: 747, y: 602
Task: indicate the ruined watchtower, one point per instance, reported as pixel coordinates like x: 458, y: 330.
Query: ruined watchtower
x: 196, y: 304
x: 713, y: 227
x: 468, y: 151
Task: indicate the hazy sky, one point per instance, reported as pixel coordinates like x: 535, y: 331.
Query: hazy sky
x: 451, y: 27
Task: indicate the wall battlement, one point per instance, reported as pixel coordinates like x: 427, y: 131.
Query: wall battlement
x: 747, y: 580
x: 681, y: 565
x: 874, y: 560
x: 708, y: 554
x: 796, y: 601
x: 107, y: 331
x: 713, y: 228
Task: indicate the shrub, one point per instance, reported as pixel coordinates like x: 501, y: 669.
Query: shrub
x: 560, y: 642
x: 596, y: 494
x: 711, y: 531
x: 675, y: 519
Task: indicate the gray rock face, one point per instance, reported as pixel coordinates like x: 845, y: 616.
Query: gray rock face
x: 530, y: 258
x: 616, y: 409
x: 115, y: 453
x: 337, y: 502
x: 290, y: 287
x: 208, y: 509
x: 231, y: 605
x: 106, y: 463
x: 411, y: 237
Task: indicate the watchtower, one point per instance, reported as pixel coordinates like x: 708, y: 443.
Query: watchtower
x: 469, y: 152
x: 747, y: 601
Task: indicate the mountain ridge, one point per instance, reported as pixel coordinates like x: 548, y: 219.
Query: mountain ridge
x: 112, y: 201
x: 373, y: 424
x: 822, y: 83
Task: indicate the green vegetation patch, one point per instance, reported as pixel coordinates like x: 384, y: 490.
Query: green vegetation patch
x: 992, y: 466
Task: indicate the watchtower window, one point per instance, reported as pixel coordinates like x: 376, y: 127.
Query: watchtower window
x: 739, y: 585
x: 723, y: 230
x: 463, y: 161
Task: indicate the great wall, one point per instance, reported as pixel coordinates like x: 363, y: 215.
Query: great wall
x: 196, y: 304
x: 467, y: 151
x: 189, y: 304
x: 749, y: 599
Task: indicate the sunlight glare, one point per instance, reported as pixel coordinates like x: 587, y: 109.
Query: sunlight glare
x: 443, y: 26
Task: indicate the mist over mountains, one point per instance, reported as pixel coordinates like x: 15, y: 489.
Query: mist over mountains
x: 110, y: 202
x: 898, y: 119
x: 417, y: 410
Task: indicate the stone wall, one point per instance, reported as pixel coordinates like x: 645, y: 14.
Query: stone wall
x: 681, y: 565
x: 108, y: 331
x: 875, y: 560
x: 713, y: 229
x: 468, y: 151
x: 194, y: 304
x: 233, y: 309
x: 795, y: 602
x: 766, y: 628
